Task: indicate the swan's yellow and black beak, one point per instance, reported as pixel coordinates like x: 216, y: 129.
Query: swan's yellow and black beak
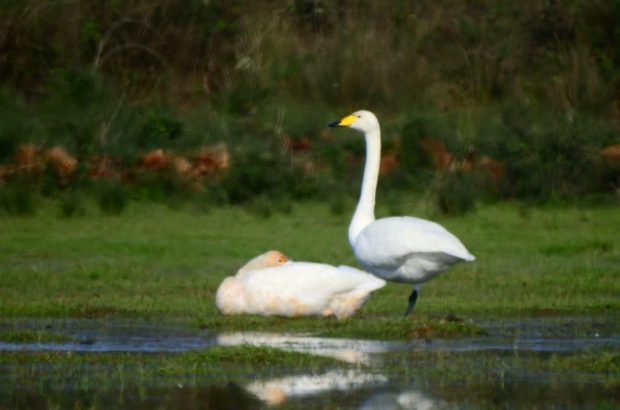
x: 345, y: 122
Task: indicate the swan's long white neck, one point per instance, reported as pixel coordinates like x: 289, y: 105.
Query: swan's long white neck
x: 365, y: 212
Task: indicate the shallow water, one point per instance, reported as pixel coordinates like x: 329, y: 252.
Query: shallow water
x: 110, y: 335
x: 504, y: 368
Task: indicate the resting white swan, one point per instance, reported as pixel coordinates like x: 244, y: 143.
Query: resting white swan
x: 399, y: 249
x: 296, y: 289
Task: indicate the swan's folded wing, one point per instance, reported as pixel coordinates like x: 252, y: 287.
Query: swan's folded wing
x: 388, y: 241
x: 305, y: 277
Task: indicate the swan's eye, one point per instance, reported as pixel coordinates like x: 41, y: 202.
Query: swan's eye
x: 359, y: 116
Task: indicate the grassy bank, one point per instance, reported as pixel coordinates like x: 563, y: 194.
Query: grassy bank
x: 154, y: 261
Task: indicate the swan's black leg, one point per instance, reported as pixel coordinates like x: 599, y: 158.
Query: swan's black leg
x: 412, y: 299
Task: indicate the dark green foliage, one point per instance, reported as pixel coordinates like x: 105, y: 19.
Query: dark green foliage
x: 255, y: 175
x: 88, y: 115
x: 18, y: 198
x: 532, y: 86
x: 159, y: 186
x: 74, y: 110
x: 16, y: 125
x: 416, y: 129
x: 269, y: 173
x: 544, y: 154
x: 112, y: 197
x: 158, y: 131
x: 71, y: 203
x: 551, y: 155
x: 454, y: 193
x: 240, y: 55
x: 418, y: 163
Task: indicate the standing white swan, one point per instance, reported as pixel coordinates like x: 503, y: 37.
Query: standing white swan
x: 295, y: 289
x: 402, y: 248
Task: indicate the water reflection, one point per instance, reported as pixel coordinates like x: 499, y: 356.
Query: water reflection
x: 557, y: 334
x: 109, y: 335
x: 507, y: 367
x: 406, y: 399
x: 276, y: 391
x: 347, y: 350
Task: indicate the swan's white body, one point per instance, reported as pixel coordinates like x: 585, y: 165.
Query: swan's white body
x: 297, y: 289
x: 400, y: 249
x: 407, y: 249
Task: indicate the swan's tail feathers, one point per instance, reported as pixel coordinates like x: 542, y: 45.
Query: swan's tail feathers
x: 368, y: 281
x: 462, y: 254
x: 373, y: 284
x: 469, y: 257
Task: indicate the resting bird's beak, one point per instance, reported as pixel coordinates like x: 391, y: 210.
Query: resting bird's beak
x: 345, y: 122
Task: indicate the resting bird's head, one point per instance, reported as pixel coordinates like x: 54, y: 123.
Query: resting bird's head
x: 269, y: 259
x: 362, y: 120
x: 274, y: 258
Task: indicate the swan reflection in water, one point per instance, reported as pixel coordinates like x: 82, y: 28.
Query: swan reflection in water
x: 346, y: 350
x: 367, y: 352
x: 276, y: 391
x: 405, y: 399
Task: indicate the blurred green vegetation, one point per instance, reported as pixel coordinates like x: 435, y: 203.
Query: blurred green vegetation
x: 519, y: 98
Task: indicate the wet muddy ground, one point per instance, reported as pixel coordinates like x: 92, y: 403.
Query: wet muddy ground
x: 542, y: 362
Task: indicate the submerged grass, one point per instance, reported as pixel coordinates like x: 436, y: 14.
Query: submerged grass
x: 31, y: 336
x: 262, y: 356
x: 607, y: 362
x: 604, y: 362
x: 361, y: 326
x: 109, y: 371
x: 153, y: 261
x: 224, y: 373
x: 68, y: 377
x: 509, y: 379
x: 177, y: 364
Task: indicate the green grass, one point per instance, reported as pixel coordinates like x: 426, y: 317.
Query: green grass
x: 156, y: 262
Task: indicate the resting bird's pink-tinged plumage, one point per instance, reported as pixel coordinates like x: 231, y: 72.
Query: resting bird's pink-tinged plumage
x: 272, y: 285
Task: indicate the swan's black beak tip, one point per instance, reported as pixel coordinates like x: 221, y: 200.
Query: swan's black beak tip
x: 334, y: 124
